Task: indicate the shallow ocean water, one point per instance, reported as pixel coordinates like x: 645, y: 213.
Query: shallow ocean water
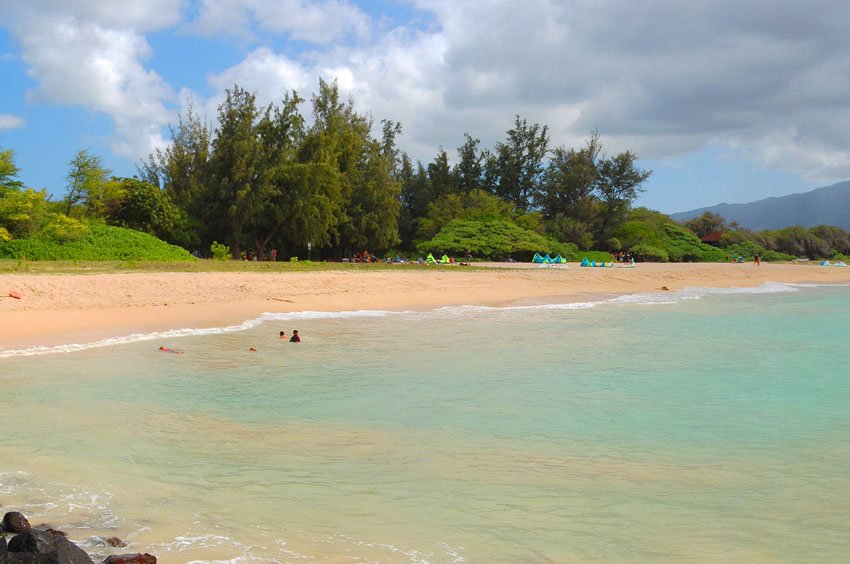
x: 699, y: 425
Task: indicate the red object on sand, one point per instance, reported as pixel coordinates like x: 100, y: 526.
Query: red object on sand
x: 14, y: 294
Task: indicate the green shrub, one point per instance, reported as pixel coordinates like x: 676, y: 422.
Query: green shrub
x: 776, y: 256
x: 649, y: 253
x: 219, y: 251
x: 493, y: 238
x: 672, y: 240
x: 597, y: 256
x: 62, y: 229
x: 683, y: 246
x: 96, y: 242
x: 746, y: 249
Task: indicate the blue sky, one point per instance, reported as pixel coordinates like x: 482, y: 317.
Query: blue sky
x: 724, y: 102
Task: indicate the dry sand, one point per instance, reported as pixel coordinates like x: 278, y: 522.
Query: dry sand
x: 77, y: 308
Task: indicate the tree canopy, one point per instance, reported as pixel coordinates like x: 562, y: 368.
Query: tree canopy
x: 272, y: 177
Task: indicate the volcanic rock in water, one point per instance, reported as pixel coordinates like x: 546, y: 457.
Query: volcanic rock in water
x: 50, y: 547
x: 14, y: 522
x: 115, y: 541
x: 137, y: 558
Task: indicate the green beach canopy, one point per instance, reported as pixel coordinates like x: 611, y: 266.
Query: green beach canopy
x: 431, y: 259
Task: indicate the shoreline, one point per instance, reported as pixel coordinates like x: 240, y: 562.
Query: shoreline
x: 57, y: 310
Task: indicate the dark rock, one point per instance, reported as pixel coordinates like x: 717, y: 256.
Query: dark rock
x: 30, y: 558
x: 115, y: 541
x: 52, y: 544
x: 104, y: 541
x: 14, y: 522
x: 137, y: 558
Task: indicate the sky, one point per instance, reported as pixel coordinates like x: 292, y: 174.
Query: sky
x: 725, y: 101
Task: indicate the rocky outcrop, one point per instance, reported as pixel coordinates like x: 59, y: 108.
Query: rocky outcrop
x: 14, y: 522
x: 50, y: 546
x: 131, y: 559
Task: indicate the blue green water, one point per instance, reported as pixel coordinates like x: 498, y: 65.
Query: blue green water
x: 704, y: 425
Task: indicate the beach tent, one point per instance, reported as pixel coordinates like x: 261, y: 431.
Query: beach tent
x: 445, y: 260
x: 585, y: 262
x: 547, y: 259
x: 431, y: 259
x: 559, y: 260
x: 537, y: 258
x: 825, y: 263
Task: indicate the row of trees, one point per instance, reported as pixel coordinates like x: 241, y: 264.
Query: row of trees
x: 265, y: 178
x: 456, y: 222
x: 814, y: 242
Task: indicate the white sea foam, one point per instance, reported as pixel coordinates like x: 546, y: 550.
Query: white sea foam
x: 299, y: 315
x: 647, y: 298
x: 67, y: 507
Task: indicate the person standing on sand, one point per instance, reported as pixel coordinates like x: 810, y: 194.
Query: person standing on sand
x: 757, y: 260
x: 295, y: 338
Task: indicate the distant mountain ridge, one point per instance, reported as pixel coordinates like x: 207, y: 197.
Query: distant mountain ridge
x: 829, y: 205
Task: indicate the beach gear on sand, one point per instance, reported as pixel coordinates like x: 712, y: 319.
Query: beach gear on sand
x: 431, y: 259
x: 16, y: 295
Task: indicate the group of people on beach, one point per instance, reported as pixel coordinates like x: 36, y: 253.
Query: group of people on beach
x: 295, y: 338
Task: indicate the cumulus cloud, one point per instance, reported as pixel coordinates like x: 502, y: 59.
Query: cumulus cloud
x: 8, y: 121
x: 315, y: 22
x: 91, y: 54
x: 663, y: 79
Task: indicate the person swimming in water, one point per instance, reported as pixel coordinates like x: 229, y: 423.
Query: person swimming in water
x: 166, y: 349
x: 295, y: 338
x: 283, y: 335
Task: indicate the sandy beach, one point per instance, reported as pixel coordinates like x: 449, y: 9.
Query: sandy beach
x: 79, y: 308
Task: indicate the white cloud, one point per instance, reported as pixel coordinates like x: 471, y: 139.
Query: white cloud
x: 660, y: 78
x: 663, y: 79
x: 315, y: 22
x: 91, y: 54
x: 8, y: 121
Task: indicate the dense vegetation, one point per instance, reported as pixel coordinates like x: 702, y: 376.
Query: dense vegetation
x: 96, y: 242
x: 264, y: 179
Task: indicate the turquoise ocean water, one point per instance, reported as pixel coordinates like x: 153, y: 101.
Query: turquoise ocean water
x: 705, y: 425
